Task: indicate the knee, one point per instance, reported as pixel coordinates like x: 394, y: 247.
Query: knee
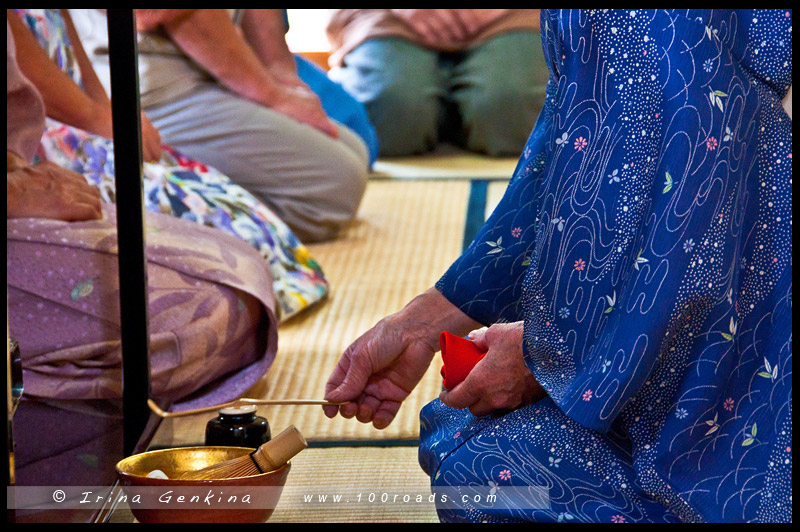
x: 405, y: 116
x: 348, y: 184
x: 323, y: 214
x: 499, y: 119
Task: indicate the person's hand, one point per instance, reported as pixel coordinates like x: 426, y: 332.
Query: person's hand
x: 474, y: 20
x: 46, y: 190
x: 286, y: 75
x: 436, y: 27
x: 151, y: 141
x: 379, y: 370
x: 501, y: 380
x: 303, y: 105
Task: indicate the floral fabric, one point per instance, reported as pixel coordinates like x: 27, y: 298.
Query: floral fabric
x: 646, y: 241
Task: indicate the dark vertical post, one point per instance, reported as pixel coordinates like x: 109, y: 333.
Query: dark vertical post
x: 130, y: 223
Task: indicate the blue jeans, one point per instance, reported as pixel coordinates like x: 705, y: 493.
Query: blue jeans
x: 485, y: 99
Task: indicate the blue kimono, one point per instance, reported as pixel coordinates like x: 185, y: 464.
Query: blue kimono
x: 645, y: 240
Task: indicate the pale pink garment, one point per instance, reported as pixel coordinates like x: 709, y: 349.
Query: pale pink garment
x: 213, y: 331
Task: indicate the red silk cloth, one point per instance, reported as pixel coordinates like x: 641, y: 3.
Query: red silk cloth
x: 459, y: 356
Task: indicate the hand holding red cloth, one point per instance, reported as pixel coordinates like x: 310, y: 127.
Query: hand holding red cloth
x: 459, y: 356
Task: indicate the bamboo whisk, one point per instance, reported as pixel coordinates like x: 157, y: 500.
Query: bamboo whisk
x: 270, y: 456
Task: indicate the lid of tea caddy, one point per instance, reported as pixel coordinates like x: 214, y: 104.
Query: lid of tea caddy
x: 240, y: 410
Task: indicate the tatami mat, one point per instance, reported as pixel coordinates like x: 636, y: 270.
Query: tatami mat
x: 446, y: 162
x: 406, y: 235
x: 373, y: 473
x: 494, y: 194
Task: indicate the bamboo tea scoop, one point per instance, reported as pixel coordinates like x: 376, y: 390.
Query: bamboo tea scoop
x: 238, y: 402
x: 269, y: 457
